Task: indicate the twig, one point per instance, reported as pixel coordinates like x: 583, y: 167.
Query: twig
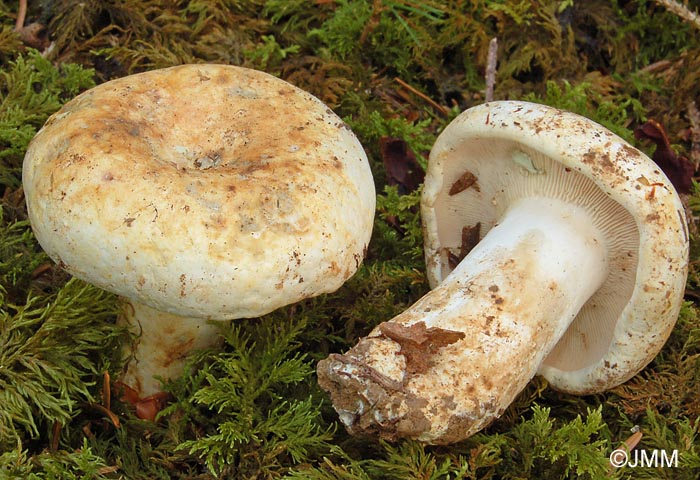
x: 108, y: 470
x: 21, y: 15
x: 108, y: 413
x: 491, y: 62
x: 107, y: 390
x: 422, y: 95
x: 55, y: 436
x: 682, y: 11
x: 656, y: 66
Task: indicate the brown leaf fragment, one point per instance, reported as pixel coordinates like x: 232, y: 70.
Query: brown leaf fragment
x: 401, y: 165
x: 470, y: 237
x: 147, y: 408
x: 677, y: 168
x: 34, y: 35
x: 468, y: 179
x: 419, y: 343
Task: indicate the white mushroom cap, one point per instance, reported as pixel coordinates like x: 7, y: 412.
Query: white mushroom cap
x: 494, y: 154
x: 209, y: 191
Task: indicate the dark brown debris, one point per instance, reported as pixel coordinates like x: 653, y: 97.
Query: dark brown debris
x: 402, y: 168
x: 467, y: 180
x: 419, y: 343
x: 470, y: 237
x: 677, y: 168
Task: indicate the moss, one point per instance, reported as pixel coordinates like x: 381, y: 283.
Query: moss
x: 31, y: 89
x: 53, y: 351
x: 77, y: 465
x: 251, y: 423
x: 390, y: 68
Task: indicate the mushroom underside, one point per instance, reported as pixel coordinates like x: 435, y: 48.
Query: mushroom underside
x: 507, y: 172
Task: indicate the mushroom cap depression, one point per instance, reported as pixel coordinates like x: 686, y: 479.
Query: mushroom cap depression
x: 209, y: 191
x: 496, y: 153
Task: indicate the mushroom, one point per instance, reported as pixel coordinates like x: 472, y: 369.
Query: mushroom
x: 198, y: 193
x: 553, y: 247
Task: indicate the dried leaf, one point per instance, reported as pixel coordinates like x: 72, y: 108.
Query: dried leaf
x: 419, y: 343
x: 677, y: 168
x: 34, y: 35
x: 468, y: 179
x: 147, y: 408
x: 470, y: 237
x: 401, y: 165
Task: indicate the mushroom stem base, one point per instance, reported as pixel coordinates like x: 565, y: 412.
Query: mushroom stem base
x: 163, y: 341
x: 452, y: 363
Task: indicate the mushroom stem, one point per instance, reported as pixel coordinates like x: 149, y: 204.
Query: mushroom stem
x: 452, y: 362
x: 163, y: 341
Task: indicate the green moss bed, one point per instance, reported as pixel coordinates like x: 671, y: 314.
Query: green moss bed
x: 397, y: 71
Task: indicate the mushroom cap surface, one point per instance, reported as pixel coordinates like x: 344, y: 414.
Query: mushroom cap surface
x: 210, y: 191
x: 496, y: 153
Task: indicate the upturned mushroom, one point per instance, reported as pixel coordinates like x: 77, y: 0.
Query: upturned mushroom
x: 198, y: 193
x: 554, y: 248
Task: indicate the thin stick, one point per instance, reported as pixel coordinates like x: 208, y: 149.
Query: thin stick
x: 422, y: 95
x: 55, y: 436
x: 491, y: 62
x: 21, y: 15
x: 107, y: 390
x: 682, y: 11
x: 107, y: 470
x: 656, y: 66
x: 110, y: 414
